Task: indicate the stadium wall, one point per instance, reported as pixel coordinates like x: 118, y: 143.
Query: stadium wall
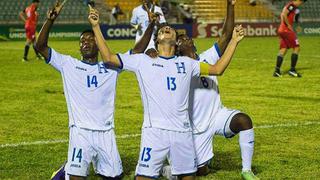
x: 253, y: 29
x: 72, y: 32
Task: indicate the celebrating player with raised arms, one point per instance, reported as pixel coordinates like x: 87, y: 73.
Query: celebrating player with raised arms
x: 139, y: 47
x: 140, y: 19
x: 164, y: 84
x: 91, y: 117
x: 208, y: 115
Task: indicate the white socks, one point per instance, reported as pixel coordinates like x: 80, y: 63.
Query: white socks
x: 246, y: 142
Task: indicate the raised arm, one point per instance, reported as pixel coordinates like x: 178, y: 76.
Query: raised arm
x: 107, y: 56
x: 143, y: 43
x: 42, y: 42
x: 222, y: 64
x: 228, y: 26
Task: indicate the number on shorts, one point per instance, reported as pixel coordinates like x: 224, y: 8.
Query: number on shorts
x: 146, y: 156
x: 79, y: 154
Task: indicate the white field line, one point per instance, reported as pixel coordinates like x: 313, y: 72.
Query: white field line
x: 126, y: 136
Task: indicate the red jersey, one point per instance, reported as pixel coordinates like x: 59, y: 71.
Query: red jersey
x: 32, y: 16
x: 293, y: 10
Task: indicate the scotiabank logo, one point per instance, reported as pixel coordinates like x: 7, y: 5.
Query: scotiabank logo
x: 214, y: 30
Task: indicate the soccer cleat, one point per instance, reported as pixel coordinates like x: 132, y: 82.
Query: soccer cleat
x: 59, y: 174
x: 277, y: 74
x: 40, y: 57
x: 294, y: 73
x: 24, y: 59
x: 166, y: 172
x: 248, y: 175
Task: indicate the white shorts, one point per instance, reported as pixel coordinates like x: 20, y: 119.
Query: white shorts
x: 98, y: 147
x: 203, y: 141
x: 158, y: 144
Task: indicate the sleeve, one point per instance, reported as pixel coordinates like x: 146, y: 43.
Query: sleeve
x: 162, y: 19
x: 196, y: 68
x: 56, y: 59
x: 134, y: 18
x: 211, y: 55
x: 131, y: 62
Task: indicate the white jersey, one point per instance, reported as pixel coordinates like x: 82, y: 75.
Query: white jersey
x: 89, y: 90
x: 140, y: 16
x: 204, y: 94
x: 164, y: 86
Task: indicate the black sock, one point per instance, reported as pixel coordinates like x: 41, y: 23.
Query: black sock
x: 294, y: 60
x: 26, y: 51
x: 35, y: 51
x: 279, y: 63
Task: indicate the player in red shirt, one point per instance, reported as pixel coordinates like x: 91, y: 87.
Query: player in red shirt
x: 288, y: 38
x: 30, y: 17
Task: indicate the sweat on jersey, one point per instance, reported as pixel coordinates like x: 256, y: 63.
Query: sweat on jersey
x: 164, y: 86
x: 89, y: 90
x: 205, y: 99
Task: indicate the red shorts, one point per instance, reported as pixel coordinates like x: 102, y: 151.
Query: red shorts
x: 288, y: 39
x: 30, y: 33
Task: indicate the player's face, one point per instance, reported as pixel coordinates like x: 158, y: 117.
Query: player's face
x: 167, y: 33
x: 185, y: 44
x: 88, y: 46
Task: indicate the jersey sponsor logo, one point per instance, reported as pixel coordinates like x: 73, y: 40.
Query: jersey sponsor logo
x: 81, y: 68
x: 157, y: 65
x: 144, y: 165
x: 186, y: 125
x: 75, y: 165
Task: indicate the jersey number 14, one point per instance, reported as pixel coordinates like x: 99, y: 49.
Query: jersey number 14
x: 92, y: 81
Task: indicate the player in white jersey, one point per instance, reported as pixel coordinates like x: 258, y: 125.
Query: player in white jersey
x: 89, y: 88
x: 164, y: 84
x: 208, y: 115
x: 140, y: 20
x: 139, y: 47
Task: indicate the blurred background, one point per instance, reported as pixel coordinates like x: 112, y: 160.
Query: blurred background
x: 198, y: 18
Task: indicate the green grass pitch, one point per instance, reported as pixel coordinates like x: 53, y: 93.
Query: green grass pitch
x: 285, y: 112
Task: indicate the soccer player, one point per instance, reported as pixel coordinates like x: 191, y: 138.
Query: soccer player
x: 288, y: 38
x: 139, y: 47
x: 207, y: 113
x: 164, y: 83
x: 89, y: 88
x: 30, y: 17
x: 140, y: 20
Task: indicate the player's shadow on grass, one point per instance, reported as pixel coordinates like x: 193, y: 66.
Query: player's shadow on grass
x: 228, y: 161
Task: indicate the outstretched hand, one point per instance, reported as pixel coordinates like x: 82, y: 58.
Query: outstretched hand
x: 54, y: 12
x: 238, y: 33
x: 93, y: 16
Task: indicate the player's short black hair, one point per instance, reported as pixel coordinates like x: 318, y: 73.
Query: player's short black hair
x: 35, y: 1
x: 87, y: 31
x: 157, y: 31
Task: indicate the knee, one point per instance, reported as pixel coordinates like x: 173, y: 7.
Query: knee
x: 296, y: 50
x: 203, y: 171
x: 240, y: 122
